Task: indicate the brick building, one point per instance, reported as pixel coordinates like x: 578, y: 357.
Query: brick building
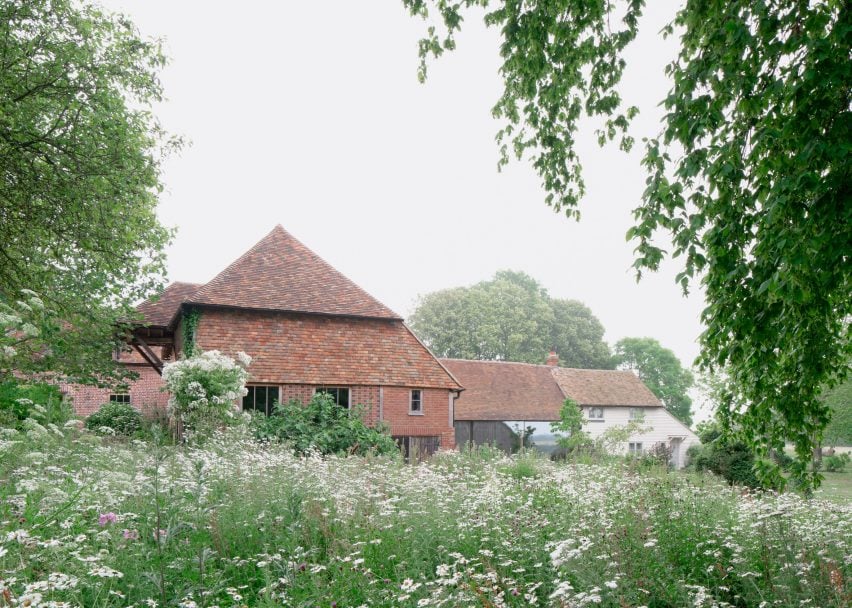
x: 307, y: 328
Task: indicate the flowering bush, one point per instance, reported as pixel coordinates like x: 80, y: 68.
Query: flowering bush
x: 205, y: 387
x: 118, y: 418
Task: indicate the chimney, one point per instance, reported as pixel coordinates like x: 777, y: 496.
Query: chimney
x: 552, y: 358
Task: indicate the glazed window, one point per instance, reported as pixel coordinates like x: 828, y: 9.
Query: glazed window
x: 415, y: 404
x: 634, y: 448
x: 339, y: 394
x: 261, y: 399
x: 119, y: 398
x: 596, y: 413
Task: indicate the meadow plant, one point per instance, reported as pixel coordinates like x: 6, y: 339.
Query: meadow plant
x: 233, y: 522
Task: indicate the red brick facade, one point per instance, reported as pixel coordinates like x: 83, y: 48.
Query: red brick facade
x: 145, y: 393
x: 305, y: 325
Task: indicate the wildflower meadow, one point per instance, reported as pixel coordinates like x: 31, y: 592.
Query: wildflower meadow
x: 91, y: 521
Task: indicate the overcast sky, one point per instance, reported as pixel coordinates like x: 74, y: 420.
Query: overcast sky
x: 309, y: 114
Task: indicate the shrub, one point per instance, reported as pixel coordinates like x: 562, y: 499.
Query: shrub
x: 205, y: 387
x: 836, y: 463
x: 17, y: 401
x: 660, y: 454
x: 324, y: 426
x: 122, y: 418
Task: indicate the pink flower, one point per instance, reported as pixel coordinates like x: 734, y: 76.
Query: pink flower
x: 160, y: 534
x: 107, y: 518
x: 131, y: 534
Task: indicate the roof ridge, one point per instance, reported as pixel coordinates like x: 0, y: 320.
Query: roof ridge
x: 281, y: 273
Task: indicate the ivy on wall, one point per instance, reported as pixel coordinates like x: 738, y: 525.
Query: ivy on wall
x: 190, y: 325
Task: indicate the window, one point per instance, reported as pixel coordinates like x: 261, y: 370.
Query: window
x: 340, y: 395
x: 120, y: 398
x: 596, y: 413
x: 261, y: 399
x: 637, y: 413
x: 634, y: 449
x: 416, y: 403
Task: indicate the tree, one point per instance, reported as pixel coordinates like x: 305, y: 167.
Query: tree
x: 750, y: 176
x: 839, y: 429
x: 661, y: 371
x: 510, y: 318
x: 80, y: 156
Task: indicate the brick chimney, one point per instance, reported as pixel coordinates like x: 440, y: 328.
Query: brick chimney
x: 552, y: 358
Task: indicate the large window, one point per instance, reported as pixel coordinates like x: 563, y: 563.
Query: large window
x: 261, y: 398
x: 596, y: 413
x: 415, y: 404
x: 339, y: 394
x: 120, y: 398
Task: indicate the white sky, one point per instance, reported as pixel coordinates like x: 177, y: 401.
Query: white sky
x: 309, y: 114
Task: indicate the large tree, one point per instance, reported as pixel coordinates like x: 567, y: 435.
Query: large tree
x: 80, y: 156
x: 749, y: 178
x: 661, y: 371
x: 510, y: 318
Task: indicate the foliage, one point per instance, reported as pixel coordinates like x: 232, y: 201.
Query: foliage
x: 119, y: 418
x: 836, y: 463
x: 510, y: 318
x: 17, y: 400
x: 839, y: 428
x: 190, y: 327
x: 569, y: 428
x: 80, y: 156
x: 238, y: 523
x: 659, y: 454
x: 661, y: 371
x: 750, y: 176
x: 204, y: 388
x: 323, y: 426
x: 522, y: 438
x: 708, y: 430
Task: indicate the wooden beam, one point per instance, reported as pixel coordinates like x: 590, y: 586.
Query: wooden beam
x: 149, y: 355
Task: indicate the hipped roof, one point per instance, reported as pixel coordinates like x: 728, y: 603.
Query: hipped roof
x: 500, y: 390
x: 280, y: 274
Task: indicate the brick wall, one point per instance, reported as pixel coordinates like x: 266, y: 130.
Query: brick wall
x: 394, y: 404
x: 145, y: 394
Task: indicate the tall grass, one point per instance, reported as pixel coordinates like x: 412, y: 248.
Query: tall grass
x: 234, y: 523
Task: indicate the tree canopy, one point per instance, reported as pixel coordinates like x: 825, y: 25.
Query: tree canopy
x: 510, y: 318
x: 839, y: 401
x: 80, y: 156
x: 749, y: 177
x: 661, y: 371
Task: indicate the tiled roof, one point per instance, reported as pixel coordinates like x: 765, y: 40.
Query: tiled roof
x: 312, y: 349
x: 160, y: 309
x: 499, y: 390
x: 279, y: 273
x: 604, y: 387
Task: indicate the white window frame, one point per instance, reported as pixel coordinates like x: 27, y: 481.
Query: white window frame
x: 637, y: 413
x: 635, y: 448
x: 592, y: 417
x: 411, y: 410
x: 325, y: 389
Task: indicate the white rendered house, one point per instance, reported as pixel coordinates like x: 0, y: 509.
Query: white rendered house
x: 499, y: 391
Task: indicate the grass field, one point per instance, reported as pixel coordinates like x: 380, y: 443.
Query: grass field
x: 837, y: 486
x: 89, y: 523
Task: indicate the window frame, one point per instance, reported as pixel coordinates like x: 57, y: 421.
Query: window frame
x: 268, y: 407
x: 419, y: 411
x: 328, y: 389
x: 592, y: 418
x: 635, y: 448
x: 637, y: 414
x: 125, y: 398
